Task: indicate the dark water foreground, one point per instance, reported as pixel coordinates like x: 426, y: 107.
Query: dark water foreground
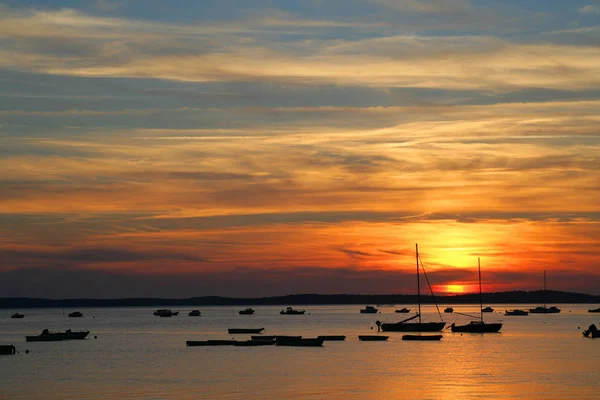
x: 140, y: 356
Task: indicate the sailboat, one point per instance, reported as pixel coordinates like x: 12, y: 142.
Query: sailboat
x: 405, y: 325
x: 544, y: 309
x: 478, y: 326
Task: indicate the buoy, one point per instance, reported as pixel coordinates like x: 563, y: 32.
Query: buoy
x: 95, y: 337
x: 27, y: 351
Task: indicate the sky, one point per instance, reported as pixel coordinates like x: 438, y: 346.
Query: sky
x: 246, y: 149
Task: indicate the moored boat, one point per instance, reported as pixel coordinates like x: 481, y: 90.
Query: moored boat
x: 449, y: 310
x: 17, y: 315
x: 308, y: 342
x: 488, y: 309
x: 254, y: 343
x: 245, y: 330
x: 372, y: 338
x: 479, y: 326
x: 6, y: 349
x: 332, y: 337
x: 75, y: 314
x: 405, y: 325
x: 595, y: 310
x: 543, y: 309
x: 165, y: 313
x: 48, y: 336
x: 516, y: 312
x: 291, y: 311
x: 369, y: 310
x: 210, y: 342
x: 194, y: 313
x: 402, y: 311
x: 247, y: 311
x: 422, y: 337
x: 591, y: 332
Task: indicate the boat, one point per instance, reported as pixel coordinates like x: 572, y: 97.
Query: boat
x: 264, y: 337
x: 369, y: 310
x: 595, y: 310
x: 422, y: 337
x: 165, y: 312
x: 274, y: 337
x: 210, y: 342
x: 75, y: 314
x: 247, y: 311
x: 488, y: 309
x: 543, y: 309
x: 308, y: 342
x: 405, y: 325
x: 291, y: 311
x: 516, y: 312
x: 254, y: 343
x: 402, y: 311
x: 591, y: 332
x: 448, y: 310
x: 332, y: 337
x: 194, y: 313
x: 479, y: 326
x: 6, y: 349
x: 245, y: 330
x: 48, y: 336
x: 17, y: 315
x: 372, y: 338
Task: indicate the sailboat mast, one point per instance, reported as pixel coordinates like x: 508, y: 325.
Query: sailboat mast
x: 480, y: 294
x: 544, y: 288
x: 418, y: 281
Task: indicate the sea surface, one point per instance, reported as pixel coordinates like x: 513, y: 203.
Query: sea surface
x: 131, y: 354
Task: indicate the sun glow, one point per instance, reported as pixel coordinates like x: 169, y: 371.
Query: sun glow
x: 453, y: 289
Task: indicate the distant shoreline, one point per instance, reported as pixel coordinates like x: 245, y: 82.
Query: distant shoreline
x: 513, y: 297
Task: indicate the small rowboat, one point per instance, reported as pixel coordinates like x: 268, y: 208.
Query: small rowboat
x: 372, y: 338
x: 245, y: 330
x: 422, y: 337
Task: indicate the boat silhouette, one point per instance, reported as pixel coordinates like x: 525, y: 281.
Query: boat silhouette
x: 479, y: 326
x: 405, y: 325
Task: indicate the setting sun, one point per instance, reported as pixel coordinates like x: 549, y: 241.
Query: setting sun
x: 454, y: 289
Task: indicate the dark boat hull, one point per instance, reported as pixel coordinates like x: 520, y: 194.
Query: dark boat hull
x: 477, y: 328
x: 413, y: 327
x: 595, y: 310
x: 372, y: 338
x: 542, y: 310
x: 245, y: 330
x: 210, y: 342
x: 332, y: 337
x: 250, y: 343
x: 308, y: 342
x: 517, y: 313
x: 17, y: 316
x: 246, y: 312
x: 7, y: 349
x: 422, y: 338
x: 58, y: 336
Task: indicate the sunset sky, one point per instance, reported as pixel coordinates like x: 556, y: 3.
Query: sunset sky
x: 258, y: 148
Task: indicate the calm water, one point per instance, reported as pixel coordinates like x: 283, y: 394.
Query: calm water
x: 139, y: 356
